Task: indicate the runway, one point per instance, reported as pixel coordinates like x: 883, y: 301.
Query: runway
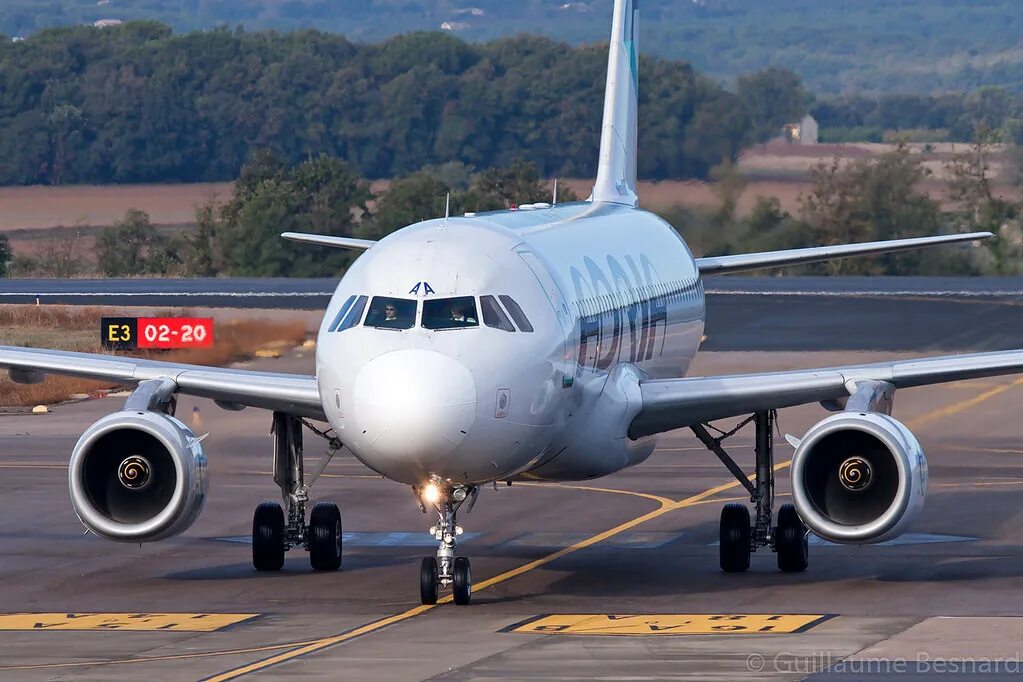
x: 560, y: 571
x: 743, y: 313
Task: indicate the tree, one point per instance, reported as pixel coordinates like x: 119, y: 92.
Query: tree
x: 729, y: 184
x: 978, y: 208
x: 409, y: 200
x: 5, y: 254
x: 771, y: 98
x: 509, y: 186
x: 321, y: 195
x: 132, y: 247
x: 868, y: 200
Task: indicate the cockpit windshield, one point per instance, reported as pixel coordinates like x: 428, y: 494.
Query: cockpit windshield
x: 450, y: 313
x: 391, y: 313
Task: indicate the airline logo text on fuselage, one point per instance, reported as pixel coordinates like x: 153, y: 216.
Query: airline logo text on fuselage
x: 604, y: 329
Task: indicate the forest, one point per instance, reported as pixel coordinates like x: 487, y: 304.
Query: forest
x: 866, y: 46
x: 137, y: 103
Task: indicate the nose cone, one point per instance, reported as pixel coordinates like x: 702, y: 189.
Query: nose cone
x: 414, y: 404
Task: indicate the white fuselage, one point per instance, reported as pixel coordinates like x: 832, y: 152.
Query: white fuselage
x: 612, y: 295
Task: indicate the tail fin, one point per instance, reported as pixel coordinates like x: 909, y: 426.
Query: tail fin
x: 616, y: 170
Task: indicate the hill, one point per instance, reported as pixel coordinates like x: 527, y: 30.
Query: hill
x: 836, y: 46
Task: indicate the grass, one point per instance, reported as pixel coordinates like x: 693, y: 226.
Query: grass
x: 77, y: 329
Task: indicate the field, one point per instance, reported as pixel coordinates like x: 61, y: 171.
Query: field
x: 73, y: 328
x: 39, y: 220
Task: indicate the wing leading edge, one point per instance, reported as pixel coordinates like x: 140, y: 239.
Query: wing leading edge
x: 329, y: 240
x: 292, y: 393
x: 676, y: 403
x: 723, y: 265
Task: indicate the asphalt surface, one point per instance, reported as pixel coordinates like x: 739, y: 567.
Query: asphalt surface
x: 743, y: 313
x: 639, y: 543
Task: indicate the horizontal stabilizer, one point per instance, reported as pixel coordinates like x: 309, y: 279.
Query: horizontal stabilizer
x: 724, y: 265
x: 329, y: 240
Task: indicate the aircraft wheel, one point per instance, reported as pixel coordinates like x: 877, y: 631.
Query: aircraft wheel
x: 734, y: 547
x: 462, y: 587
x: 325, y: 537
x: 428, y: 578
x: 791, y: 541
x: 268, y: 537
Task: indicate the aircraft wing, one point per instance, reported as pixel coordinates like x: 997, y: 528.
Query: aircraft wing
x: 723, y: 265
x: 329, y: 240
x: 295, y: 394
x: 675, y: 403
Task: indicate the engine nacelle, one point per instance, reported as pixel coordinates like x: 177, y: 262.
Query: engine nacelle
x: 858, y: 478
x: 137, y: 477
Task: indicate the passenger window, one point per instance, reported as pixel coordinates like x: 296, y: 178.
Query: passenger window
x: 391, y: 313
x: 341, y: 313
x: 493, y: 316
x: 450, y: 313
x: 354, y: 315
x: 516, y: 313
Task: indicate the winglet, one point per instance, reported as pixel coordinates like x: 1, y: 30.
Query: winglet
x: 330, y: 240
x: 616, y: 169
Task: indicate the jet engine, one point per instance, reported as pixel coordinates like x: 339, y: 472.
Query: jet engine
x: 137, y: 477
x: 859, y: 478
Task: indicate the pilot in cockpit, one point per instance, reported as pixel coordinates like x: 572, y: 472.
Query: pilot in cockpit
x: 391, y: 313
x: 458, y: 315
x: 390, y: 317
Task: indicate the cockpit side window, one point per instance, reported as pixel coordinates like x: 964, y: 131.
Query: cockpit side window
x: 391, y: 313
x: 493, y: 316
x: 354, y: 315
x: 516, y: 313
x: 341, y: 313
x: 450, y: 313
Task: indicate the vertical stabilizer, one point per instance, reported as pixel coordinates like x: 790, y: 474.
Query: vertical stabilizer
x: 616, y: 171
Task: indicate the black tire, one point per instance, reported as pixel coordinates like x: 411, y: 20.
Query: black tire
x: 268, y: 537
x: 734, y: 547
x: 790, y: 541
x: 325, y: 537
x: 428, y: 580
x: 462, y: 585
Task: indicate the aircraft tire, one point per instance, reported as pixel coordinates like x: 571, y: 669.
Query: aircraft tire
x: 734, y: 548
x: 268, y: 537
x: 462, y: 586
x: 791, y: 541
x: 428, y: 580
x: 325, y: 537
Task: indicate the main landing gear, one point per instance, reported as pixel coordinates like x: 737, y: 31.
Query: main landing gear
x: 741, y: 535
x: 275, y: 531
x: 446, y: 570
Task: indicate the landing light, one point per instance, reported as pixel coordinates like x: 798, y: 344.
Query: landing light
x: 459, y: 494
x: 431, y: 493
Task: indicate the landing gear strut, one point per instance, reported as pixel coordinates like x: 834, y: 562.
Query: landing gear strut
x: 446, y: 570
x: 274, y: 530
x: 739, y: 534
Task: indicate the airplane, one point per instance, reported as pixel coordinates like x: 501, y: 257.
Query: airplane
x: 550, y: 342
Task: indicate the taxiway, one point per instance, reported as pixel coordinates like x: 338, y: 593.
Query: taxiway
x: 561, y: 571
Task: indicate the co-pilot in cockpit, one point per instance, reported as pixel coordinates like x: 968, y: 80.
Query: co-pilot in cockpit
x: 450, y: 313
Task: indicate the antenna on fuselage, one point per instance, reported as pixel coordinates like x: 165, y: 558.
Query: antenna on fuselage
x: 554, y: 199
x: 447, y: 206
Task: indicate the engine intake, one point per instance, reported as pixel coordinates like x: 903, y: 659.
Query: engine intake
x: 859, y: 477
x: 137, y: 477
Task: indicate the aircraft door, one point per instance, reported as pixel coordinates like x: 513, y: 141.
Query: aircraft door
x: 557, y: 300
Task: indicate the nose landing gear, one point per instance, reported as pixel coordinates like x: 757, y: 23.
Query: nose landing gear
x: 446, y: 570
